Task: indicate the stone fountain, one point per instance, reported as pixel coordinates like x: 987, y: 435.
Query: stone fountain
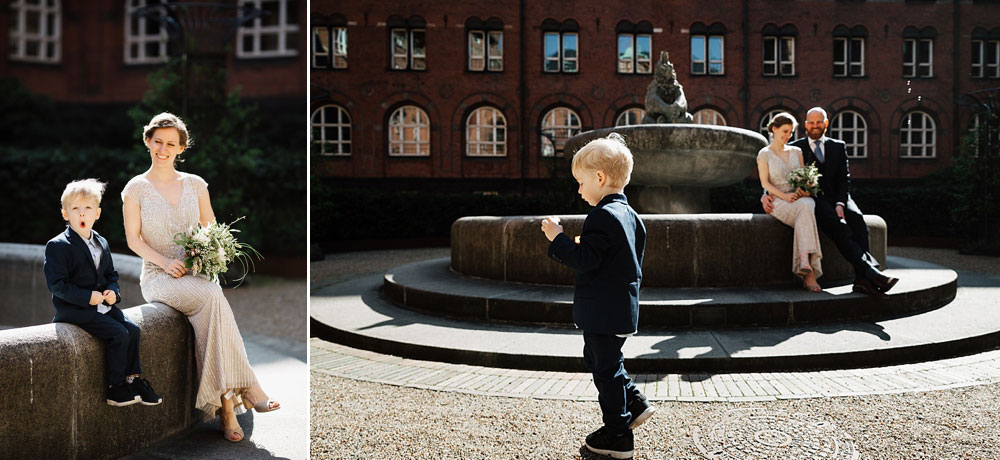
x: 718, y: 293
x: 676, y: 161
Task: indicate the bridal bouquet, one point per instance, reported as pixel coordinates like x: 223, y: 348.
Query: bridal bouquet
x: 211, y: 248
x: 806, y: 178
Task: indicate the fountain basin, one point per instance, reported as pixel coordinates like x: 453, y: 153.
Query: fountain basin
x: 682, y: 250
x: 677, y: 164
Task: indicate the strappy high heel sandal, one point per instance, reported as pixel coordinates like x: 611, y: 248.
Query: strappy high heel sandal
x: 228, y: 433
x: 267, y: 406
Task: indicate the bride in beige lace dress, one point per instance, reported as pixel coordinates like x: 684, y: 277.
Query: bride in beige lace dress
x: 158, y: 204
x: 794, y: 208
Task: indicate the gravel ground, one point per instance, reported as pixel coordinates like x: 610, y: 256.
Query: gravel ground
x: 337, y: 267
x: 354, y: 420
x: 358, y: 420
x: 271, y: 307
x: 986, y: 265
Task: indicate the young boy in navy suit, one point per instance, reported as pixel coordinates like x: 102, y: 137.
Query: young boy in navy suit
x: 608, y: 264
x: 84, y: 285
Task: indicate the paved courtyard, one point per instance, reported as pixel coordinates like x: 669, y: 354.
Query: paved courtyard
x: 367, y: 405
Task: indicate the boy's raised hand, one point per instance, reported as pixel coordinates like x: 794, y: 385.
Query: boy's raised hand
x: 110, y: 297
x: 551, y: 227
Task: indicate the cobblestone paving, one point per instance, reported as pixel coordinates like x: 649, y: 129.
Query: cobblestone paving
x: 338, y: 360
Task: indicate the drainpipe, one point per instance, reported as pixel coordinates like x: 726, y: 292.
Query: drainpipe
x: 523, y: 96
x: 746, y: 64
x: 956, y: 94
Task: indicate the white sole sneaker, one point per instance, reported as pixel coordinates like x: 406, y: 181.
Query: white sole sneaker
x: 112, y: 402
x: 611, y: 453
x: 645, y: 415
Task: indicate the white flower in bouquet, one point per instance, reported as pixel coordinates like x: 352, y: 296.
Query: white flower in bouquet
x: 211, y: 248
x: 806, y: 178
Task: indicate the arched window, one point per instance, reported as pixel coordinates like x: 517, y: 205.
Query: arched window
x: 331, y: 125
x: 917, y: 136
x: 711, y: 117
x: 558, y: 125
x: 486, y: 133
x: 409, y: 132
x: 632, y: 116
x: 145, y: 39
x: 850, y: 127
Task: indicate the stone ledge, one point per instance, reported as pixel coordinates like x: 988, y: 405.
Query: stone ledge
x: 682, y: 250
x: 52, y: 396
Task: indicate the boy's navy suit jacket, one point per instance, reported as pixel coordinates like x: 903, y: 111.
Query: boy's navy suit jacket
x: 71, y: 276
x: 608, y: 264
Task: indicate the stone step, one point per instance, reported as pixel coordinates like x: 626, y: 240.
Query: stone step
x: 430, y: 286
x: 357, y: 314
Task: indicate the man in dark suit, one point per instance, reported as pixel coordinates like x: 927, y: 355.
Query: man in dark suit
x: 836, y: 213
x: 84, y: 284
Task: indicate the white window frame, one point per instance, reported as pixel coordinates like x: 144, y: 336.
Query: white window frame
x: 495, y: 128
x: 397, y: 148
x: 635, y: 112
x: 928, y: 130
x: 985, y: 69
x: 412, y: 58
x: 717, y: 118
x: 858, y: 148
x: 48, y: 35
x: 551, y: 124
x: 140, y: 38
x: 255, y: 30
x: 707, y: 50
x: 849, y: 60
x: 911, y: 60
x: 335, y: 47
x: 561, y: 60
x: 632, y: 64
x: 487, y: 57
x: 779, y: 62
x: 323, y: 124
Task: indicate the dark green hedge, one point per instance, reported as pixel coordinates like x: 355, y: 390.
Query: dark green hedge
x: 252, y: 160
x: 270, y: 192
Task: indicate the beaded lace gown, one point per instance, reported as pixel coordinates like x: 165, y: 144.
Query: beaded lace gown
x: 221, y: 357
x: 800, y: 214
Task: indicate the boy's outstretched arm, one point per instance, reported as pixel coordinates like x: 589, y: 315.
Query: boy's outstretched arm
x: 594, y: 243
x: 57, y: 278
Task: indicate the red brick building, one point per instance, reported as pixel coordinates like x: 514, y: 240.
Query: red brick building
x: 477, y: 91
x: 95, y: 52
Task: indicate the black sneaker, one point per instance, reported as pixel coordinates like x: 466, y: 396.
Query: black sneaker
x: 604, y: 443
x: 145, y: 391
x: 641, y: 410
x: 121, y: 395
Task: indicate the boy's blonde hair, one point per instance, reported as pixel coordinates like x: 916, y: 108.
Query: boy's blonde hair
x: 608, y: 154
x: 86, y: 188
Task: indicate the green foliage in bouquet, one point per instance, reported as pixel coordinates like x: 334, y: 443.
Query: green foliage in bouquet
x: 806, y: 178
x: 210, y: 249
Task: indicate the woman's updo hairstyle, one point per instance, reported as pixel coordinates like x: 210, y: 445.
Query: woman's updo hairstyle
x: 167, y: 120
x: 782, y: 119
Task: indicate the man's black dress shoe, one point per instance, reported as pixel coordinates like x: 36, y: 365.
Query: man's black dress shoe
x: 867, y: 287
x: 884, y: 283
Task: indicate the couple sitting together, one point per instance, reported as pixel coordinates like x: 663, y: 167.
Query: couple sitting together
x: 833, y: 212
x: 80, y: 273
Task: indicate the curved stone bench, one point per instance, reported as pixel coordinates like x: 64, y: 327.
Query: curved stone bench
x: 52, y: 398
x: 682, y: 250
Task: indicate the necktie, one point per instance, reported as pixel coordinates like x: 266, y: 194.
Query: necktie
x: 819, y: 151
